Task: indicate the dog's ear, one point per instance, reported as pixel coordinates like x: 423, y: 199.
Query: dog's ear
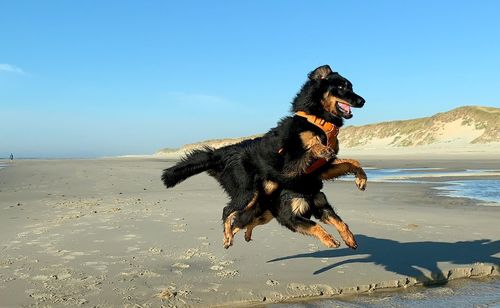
x: 320, y: 72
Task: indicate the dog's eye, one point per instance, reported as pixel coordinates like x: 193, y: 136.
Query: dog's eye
x: 341, y: 87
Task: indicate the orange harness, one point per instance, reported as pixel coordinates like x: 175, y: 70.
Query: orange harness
x: 331, y: 131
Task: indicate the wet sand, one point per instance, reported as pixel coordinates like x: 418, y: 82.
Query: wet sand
x: 479, y: 292
x: 106, y: 232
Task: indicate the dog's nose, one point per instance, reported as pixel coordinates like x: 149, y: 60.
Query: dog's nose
x: 361, y: 102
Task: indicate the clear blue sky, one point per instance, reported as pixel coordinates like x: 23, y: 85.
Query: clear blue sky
x: 94, y: 78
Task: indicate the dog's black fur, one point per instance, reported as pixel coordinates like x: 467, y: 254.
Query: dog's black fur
x: 280, y: 156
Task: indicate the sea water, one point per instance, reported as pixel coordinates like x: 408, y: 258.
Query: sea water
x: 391, y: 175
x: 484, y: 190
x: 487, y: 190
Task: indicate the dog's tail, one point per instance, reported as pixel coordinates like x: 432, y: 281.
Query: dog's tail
x: 195, y: 162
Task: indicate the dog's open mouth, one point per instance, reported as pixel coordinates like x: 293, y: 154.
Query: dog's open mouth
x: 344, y: 110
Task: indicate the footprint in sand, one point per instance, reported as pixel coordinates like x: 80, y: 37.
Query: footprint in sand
x: 228, y: 273
x: 272, y: 283
x: 191, y: 252
x: 217, y: 268
x: 180, y: 265
x: 155, y: 250
x: 166, y: 294
x: 61, y: 276
x: 179, y: 227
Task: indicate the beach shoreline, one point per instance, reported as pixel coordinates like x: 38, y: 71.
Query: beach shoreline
x: 106, y: 232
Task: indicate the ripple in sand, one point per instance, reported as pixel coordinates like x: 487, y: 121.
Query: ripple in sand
x: 216, y: 268
x: 228, y: 273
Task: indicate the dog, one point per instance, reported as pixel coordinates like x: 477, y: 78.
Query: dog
x: 253, y: 170
x: 294, y: 208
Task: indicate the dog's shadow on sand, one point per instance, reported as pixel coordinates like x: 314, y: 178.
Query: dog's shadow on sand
x: 407, y: 258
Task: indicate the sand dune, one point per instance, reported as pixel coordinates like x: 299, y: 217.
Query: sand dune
x: 464, y: 131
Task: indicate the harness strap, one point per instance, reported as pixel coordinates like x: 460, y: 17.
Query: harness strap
x: 331, y: 131
x: 317, y: 163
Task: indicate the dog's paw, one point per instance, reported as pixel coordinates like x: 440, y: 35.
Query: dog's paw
x: 331, y: 242
x: 348, y: 237
x: 228, y: 242
x: 248, y: 236
x: 360, y: 182
x: 350, y: 241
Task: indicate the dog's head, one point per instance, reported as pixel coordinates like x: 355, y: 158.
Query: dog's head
x: 327, y: 95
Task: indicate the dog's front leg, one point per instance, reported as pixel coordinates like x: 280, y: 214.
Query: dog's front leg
x: 340, y: 167
x: 309, y: 227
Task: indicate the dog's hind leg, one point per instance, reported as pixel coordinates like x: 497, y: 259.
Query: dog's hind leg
x: 266, y: 217
x: 324, y: 211
x: 231, y: 216
x: 228, y: 230
x: 256, y: 213
x: 292, y: 209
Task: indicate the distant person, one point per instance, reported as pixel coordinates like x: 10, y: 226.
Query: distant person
x: 11, y: 157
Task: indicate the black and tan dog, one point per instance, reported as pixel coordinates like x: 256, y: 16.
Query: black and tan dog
x: 294, y: 208
x: 291, y: 158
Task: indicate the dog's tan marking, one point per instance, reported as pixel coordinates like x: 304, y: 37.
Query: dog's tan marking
x: 270, y: 187
x: 329, y: 102
x: 266, y: 217
x: 252, y: 201
x: 320, y: 233
x: 299, y: 206
x: 309, y: 139
x: 236, y: 230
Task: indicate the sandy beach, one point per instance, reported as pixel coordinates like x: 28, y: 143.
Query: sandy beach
x: 105, y: 232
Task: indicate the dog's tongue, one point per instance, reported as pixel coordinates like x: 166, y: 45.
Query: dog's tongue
x: 345, y: 107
